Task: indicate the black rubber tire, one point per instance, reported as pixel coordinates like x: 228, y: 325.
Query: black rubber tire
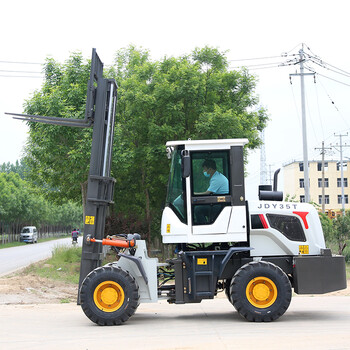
x: 239, y: 289
x: 227, y: 289
x: 126, y: 283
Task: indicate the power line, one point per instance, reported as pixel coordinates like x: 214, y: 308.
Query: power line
x: 341, y: 72
x: 20, y: 76
x: 333, y: 103
x: 259, y: 66
x: 324, y: 64
x: 16, y: 62
x: 18, y: 71
x: 256, y: 58
x: 265, y: 67
x: 295, y: 48
x: 337, y: 81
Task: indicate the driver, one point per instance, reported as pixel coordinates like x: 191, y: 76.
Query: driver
x: 218, y: 183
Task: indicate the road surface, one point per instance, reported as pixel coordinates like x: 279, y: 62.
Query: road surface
x: 321, y: 322
x: 12, y: 259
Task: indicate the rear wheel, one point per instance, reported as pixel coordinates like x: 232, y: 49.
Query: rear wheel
x: 260, y: 291
x: 227, y: 289
x: 109, y: 296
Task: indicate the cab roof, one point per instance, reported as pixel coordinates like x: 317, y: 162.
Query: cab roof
x: 208, y: 144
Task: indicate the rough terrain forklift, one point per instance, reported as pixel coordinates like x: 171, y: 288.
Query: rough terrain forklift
x: 255, y: 252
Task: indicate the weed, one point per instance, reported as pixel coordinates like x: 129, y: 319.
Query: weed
x: 65, y: 301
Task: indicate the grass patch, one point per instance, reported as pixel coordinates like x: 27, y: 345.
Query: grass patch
x: 65, y: 301
x: 12, y: 244
x: 64, y: 265
x: 40, y: 240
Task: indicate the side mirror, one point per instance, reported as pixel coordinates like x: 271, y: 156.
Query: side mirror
x: 185, y: 163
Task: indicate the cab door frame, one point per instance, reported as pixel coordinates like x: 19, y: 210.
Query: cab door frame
x: 232, y: 217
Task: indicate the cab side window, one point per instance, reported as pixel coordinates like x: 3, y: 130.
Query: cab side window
x: 210, y: 173
x: 210, y: 179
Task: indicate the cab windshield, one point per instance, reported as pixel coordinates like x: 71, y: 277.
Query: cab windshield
x: 176, y: 188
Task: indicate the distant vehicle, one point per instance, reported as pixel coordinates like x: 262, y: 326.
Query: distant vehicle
x: 29, y: 234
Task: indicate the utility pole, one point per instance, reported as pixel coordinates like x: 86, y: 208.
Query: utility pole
x: 303, y: 115
x: 323, y: 148
x: 341, y: 170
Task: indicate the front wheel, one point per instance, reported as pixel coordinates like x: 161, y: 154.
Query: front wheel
x: 260, y: 291
x: 109, y: 296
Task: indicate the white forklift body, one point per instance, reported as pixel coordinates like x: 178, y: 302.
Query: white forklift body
x: 255, y: 252
x: 281, y: 228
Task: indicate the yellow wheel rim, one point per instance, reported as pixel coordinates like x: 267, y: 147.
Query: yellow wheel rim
x: 109, y: 296
x: 261, y: 292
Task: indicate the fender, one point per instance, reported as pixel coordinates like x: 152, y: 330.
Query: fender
x: 138, y: 264
x: 228, y: 256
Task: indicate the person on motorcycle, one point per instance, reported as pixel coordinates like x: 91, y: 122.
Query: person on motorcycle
x: 75, y: 235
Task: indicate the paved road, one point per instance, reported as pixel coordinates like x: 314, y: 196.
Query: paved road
x: 310, y: 323
x: 12, y: 259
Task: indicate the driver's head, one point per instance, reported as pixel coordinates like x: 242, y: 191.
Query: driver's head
x: 209, y: 167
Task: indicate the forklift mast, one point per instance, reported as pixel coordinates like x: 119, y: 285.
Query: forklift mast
x: 100, y: 106
x: 100, y: 114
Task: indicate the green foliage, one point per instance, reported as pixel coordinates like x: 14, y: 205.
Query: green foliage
x: 194, y: 96
x: 327, y: 227
x: 342, y: 230
x: 290, y: 198
x: 59, y: 156
x: 19, y: 168
x: 337, y: 231
x: 21, y: 202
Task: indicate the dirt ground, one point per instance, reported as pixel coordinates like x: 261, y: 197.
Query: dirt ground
x: 31, y: 289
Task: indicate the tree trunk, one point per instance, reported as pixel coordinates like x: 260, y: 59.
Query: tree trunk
x: 341, y: 246
x: 148, y: 211
x: 83, y: 196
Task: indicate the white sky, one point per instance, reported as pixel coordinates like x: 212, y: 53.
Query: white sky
x: 33, y: 30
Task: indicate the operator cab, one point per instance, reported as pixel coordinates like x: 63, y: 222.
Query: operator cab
x: 206, y: 199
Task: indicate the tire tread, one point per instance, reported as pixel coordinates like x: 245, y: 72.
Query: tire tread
x: 113, y: 318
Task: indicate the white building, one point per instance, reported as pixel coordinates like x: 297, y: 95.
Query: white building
x: 294, y: 182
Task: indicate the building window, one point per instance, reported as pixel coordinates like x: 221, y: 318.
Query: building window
x: 301, y: 166
x: 302, y: 199
x: 326, y: 182
x: 346, y: 199
x: 326, y: 199
x: 319, y: 166
x: 345, y: 166
x: 345, y: 182
x: 301, y: 183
